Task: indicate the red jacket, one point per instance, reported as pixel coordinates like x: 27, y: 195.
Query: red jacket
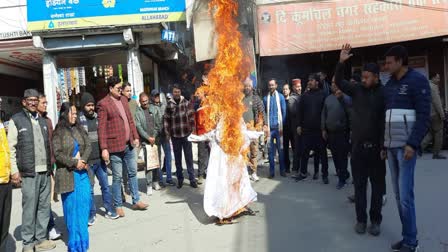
x: 201, y: 116
x: 111, y: 129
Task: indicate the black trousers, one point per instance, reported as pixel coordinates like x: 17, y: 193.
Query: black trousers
x: 298, y: 149
x: 314, y: 142
x: 288, y: 138
x: 5, y: 213
x: 338, y: 143
x: 367, y: 165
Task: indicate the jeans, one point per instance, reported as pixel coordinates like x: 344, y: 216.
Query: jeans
x: 275, y: 136
x: 402, y: 174
x: 367, y: 165
x: 154, y: 175
x: 166, y: 146
x: 179, y: 144
x: 5, y: 213
x: 316, y: 143
x: 338, y: 144
x: 99, y: 170
x: 128, y: 156
x: 203, y: 156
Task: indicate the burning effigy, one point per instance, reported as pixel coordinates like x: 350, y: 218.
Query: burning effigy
x: 227, y: 189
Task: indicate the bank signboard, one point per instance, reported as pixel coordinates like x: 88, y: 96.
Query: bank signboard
x: 46, y: 15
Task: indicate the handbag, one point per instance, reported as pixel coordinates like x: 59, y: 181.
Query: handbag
x: 152, y: 157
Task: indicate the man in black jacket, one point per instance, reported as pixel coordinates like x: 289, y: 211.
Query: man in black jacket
x: 292, y: 120
x: 367, y: 127
x: 310, y: 108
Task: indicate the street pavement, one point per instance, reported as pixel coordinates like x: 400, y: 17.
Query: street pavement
x: 293, y: 216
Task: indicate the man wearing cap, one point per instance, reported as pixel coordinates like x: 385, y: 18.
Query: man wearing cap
x: 368, y: 154
x: 29, y: 145
x: 97, y: 168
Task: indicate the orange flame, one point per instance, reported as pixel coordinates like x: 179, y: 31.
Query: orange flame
x: 224, y: 92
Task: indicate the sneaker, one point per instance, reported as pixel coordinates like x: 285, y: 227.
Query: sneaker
x: 351, y: 198
x: 325, y: 180
x: 397, y: 246
x: 360, y: 228
x: 170, y: 183
x: 156, y: 186
x: 45, y: 245
x: 200, y: 180
x: 149, y: 190
x: 438, y: 156
x: 316, y: 176
x: 384, y: 200
x: 374, y: 229
x: 255, y: 177
x: 54, y: 234
x: 341, y: 184
x: 92, y: 221
x: 194, y: 184
x: 301, y: 177
x: 112, y: 216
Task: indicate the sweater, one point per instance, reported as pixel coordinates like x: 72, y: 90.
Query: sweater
x: 334, y: 116
x: 310, y: 109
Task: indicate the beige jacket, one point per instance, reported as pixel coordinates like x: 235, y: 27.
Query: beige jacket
x: 436, y: 105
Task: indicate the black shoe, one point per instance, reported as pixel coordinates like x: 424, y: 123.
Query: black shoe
x: 316, y: 176
x: 301, y: 177
x: 438, y: 156
x: 325, y: 179
x: 397, y: 246
x: 271, y: 176
x: 406, y: 248
x: 194, y: 184
x: 351, y: 198
x: 170, y: 183
x: 180, y: 183
x: 288, y: 171
x: 374, y: 229
x: 283, y: 174
x: 341, y: 184
x: 360, y: 228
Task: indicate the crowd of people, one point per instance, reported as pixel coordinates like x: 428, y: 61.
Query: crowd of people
x: 361, y: 120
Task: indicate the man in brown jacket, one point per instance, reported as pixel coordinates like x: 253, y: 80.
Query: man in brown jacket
x: 437, y: 117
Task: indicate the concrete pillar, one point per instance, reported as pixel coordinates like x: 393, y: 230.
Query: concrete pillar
x: 135, y: 74
x: 50, y: 75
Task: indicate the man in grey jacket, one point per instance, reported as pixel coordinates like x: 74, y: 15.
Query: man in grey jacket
x: 30, y: 167
x: 335, y: 130
x: 437, y: 117
x: 148, y: 121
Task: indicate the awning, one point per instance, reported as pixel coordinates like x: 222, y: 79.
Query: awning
x: 19, y: 58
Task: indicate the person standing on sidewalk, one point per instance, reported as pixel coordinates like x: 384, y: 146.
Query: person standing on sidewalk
x: 5, y: 187
x: 336, y: 130
x: 408, y: 113
x: 293, y: 121
x: 53, y: 233
x: 97, y: 168
x: 149, y: 125
x: 118, y: 137
x: 179, y: 124
x: 368, y: 154
x: 437, y: 117
x: 275, y: 106
x: 288, y: 137
x: 72, y: 149
x: 30, y: 167
x: 254, y: 115
x: 309, y: 128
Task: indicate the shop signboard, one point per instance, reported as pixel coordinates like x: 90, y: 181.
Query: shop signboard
x: 46, y: 15
x: 169, y: 36
x: 317, y: 26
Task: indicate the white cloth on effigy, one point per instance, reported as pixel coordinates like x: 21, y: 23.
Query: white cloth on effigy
x: 227, y: 187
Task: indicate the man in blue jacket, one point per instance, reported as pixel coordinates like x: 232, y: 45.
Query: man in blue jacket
x: 408, y: 108
x: 275, y: 106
